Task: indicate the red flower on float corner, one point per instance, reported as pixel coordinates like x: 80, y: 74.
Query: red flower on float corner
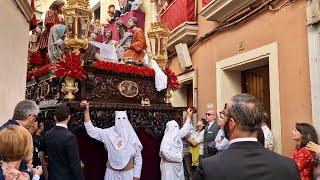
x: 70, y: 66
x: 172, y: 79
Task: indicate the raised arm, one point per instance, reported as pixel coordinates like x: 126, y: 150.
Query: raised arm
x: 93, y: 132
x: 187, y: 125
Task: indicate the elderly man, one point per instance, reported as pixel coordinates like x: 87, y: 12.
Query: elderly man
x: 210, y: 134
x: 24, y: 114
x: 122, y: 144
x: 245, y: 159
x: 136, y: 50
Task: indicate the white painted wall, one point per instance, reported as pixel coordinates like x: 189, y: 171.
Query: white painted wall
x: 13, y: 61
x: 314, y: 64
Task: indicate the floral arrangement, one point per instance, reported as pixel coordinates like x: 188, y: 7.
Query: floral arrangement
x: 35, y: 58
x: 70, y: 66
x: 122, y: 68
x: 40, y: 71
x: 172, y: 79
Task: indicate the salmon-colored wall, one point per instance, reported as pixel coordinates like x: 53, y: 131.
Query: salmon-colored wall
x: 287, y: 27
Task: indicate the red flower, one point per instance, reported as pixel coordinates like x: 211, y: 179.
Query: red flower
x: 172, y: 79
x: 40, y: 71
x: 122, y: 68
x: 71, y: 67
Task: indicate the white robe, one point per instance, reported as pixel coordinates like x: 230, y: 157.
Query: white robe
x: 171, y: 150
x: 104, y: 135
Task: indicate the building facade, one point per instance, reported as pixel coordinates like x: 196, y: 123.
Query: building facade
x: 14, y: 54
x: 253, y: 46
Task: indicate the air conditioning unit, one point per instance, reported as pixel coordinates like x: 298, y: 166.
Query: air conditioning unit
x: 183, y: 55
x: 313, y: 12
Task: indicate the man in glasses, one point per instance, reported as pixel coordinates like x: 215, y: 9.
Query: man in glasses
x: 245, y: 158
x: 24, y: 114
x: 210, y: 134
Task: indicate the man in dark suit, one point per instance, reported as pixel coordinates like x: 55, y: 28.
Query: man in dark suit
x: 245, y: 159
x: 210, y: 134
x: 62, y: 149
x: 124, y: 6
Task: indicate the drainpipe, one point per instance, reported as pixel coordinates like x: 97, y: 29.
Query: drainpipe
x: 313, y: 21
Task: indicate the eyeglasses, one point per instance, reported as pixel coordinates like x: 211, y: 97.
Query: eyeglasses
x: 222, y: 114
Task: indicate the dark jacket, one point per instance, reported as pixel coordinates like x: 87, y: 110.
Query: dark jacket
x: 247, y: 161
x: 63, y: 155
x: 210, y: 135
x: 125, y: 9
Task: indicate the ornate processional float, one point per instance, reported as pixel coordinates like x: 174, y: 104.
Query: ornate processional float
x: 108, y: 87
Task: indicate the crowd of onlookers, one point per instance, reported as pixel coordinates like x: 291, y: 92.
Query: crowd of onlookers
x: 212, y: 138
x: 227, y: 146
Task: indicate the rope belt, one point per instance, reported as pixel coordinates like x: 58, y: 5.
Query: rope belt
x: 128, y: 167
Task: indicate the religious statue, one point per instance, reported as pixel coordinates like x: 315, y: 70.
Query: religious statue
x: 56, y: 43
x: 34, y: 39
x: 137, y: 49
x: 125, y: 38
x: 51, y: 19
x: 124, y: 6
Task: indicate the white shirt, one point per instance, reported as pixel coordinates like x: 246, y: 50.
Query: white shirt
x: 199, y: 138
x: 210, y: 124
x: 243, y: 140
x: 62, y: 125
x: 268, y: 138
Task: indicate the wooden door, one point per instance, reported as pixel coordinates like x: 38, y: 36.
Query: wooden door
x: 256, y: 82
x: 190, y: 95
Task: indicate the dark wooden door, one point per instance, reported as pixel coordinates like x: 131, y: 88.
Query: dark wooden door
x: 256, y: 82
x: 190, y: 95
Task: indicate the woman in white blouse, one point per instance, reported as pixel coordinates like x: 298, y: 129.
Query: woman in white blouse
x: 196, y: 140
x: 221, y: 142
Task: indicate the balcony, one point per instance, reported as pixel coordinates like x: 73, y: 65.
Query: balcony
x: 183, y: 26
x: 222, y: 10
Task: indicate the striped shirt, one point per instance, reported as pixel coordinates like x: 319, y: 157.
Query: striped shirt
x: 50, y: 20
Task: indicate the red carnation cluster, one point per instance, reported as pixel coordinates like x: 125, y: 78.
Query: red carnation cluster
x: 35, y: 58
x: 71, y: 67
x: 122, y: 68
x: 172, y: 79
x: 40, y: 71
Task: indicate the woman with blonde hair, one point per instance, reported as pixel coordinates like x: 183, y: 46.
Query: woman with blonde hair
x: 16, y: 145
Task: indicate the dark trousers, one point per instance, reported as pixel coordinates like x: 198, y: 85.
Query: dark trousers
x: 187, y: 161
x: 193, y: 168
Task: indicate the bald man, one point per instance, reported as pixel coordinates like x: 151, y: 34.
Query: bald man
x: 210, y: 134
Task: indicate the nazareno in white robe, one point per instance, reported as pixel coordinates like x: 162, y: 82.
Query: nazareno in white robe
x: 171, y: 150
x: 122, y: 144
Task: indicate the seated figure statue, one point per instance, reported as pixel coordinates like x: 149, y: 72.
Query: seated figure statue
x: 125, y: 39
x: 56, y: 43
x: 137, y: 49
